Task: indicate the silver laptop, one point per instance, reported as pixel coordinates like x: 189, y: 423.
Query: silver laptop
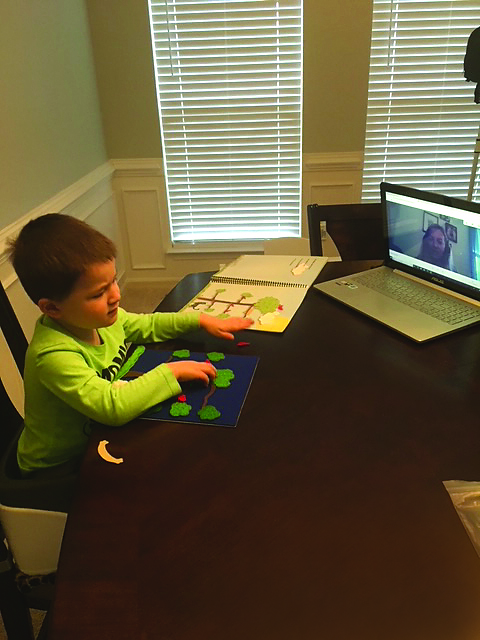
x: 429, y: 284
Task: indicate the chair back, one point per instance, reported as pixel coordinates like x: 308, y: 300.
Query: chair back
x: 356, y: 229
x: 13, y: 332
x: 33, y: 511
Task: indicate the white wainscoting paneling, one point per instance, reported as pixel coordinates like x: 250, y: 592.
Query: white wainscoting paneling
x: 331, y: 178
x: 328, y: 178
x: 141, y: 209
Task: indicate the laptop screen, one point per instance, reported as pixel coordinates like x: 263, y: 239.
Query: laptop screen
x: 433, y: 236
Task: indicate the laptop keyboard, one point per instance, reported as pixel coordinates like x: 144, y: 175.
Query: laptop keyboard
x: 420, y: 297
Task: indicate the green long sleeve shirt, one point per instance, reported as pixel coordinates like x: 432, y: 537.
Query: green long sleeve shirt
x: 69, y: 382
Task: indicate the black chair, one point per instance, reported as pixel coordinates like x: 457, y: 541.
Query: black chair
x: 15, y: 600
x: 356, y: 229
x: 31, y: 523
x: 12, y: 330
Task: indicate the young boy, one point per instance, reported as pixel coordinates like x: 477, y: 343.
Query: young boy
x: 68, y: 269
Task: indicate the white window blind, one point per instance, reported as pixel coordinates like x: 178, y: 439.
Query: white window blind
x: 422, y: 121
x: 229, y: 88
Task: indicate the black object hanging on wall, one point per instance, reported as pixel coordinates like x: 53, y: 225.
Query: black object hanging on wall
x: 471, y: 63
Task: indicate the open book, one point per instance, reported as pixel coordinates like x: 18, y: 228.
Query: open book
x: 268, y: 289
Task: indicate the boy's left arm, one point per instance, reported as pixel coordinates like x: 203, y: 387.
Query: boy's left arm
x: 156, y: 327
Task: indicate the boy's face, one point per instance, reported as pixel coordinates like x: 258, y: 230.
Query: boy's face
x: 93, y: 303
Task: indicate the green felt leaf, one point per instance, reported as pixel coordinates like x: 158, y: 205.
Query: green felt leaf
x: 223, y: 378
x: 181, y: 353
x: 209, y: 413
x: 180, y: 409
x: 215, y: 356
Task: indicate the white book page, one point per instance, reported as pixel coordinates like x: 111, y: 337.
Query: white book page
x: 301, y: 270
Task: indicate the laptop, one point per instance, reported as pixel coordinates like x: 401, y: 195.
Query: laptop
x: 429, y: 284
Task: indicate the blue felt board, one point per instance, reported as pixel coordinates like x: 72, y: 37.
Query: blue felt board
x: 228, y: 401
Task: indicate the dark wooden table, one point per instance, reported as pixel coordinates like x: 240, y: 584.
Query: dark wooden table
x: 322, y: 515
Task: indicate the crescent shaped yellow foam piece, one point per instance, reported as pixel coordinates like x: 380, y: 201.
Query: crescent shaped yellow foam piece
x: 103, y: 453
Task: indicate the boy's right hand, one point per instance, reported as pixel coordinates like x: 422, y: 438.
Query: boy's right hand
x: 191, y: 370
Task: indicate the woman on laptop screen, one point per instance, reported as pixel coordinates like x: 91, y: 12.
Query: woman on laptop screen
x: 436, y: 248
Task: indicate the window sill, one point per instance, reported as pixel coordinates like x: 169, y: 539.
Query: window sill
x: 215, y: 247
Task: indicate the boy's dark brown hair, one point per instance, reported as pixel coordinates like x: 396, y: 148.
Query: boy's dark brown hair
x: 53, y: 251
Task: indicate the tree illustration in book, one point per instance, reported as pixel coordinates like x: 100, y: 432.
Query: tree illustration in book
x: 264, y: 311
x: 218, y: 404
x: 267, y: 289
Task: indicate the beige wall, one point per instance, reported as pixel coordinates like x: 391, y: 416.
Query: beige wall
x: 336, y: 57
x: 336, y: 61
x: 54, y: 127
x: 120, y: 34
x: 50, y: 125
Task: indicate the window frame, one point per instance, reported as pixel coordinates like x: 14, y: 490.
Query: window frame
x: 212, y: 245
x: 399, y: 63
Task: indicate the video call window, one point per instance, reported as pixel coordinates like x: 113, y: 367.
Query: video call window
x: 435, y: 239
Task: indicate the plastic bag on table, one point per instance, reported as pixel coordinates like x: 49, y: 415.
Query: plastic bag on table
x: 466, y: 500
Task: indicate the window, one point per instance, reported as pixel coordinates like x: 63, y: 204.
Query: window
x: 229, y: 78
x: 422, y: 121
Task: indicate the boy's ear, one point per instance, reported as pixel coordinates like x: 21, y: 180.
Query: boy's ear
x: 49, y: 308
